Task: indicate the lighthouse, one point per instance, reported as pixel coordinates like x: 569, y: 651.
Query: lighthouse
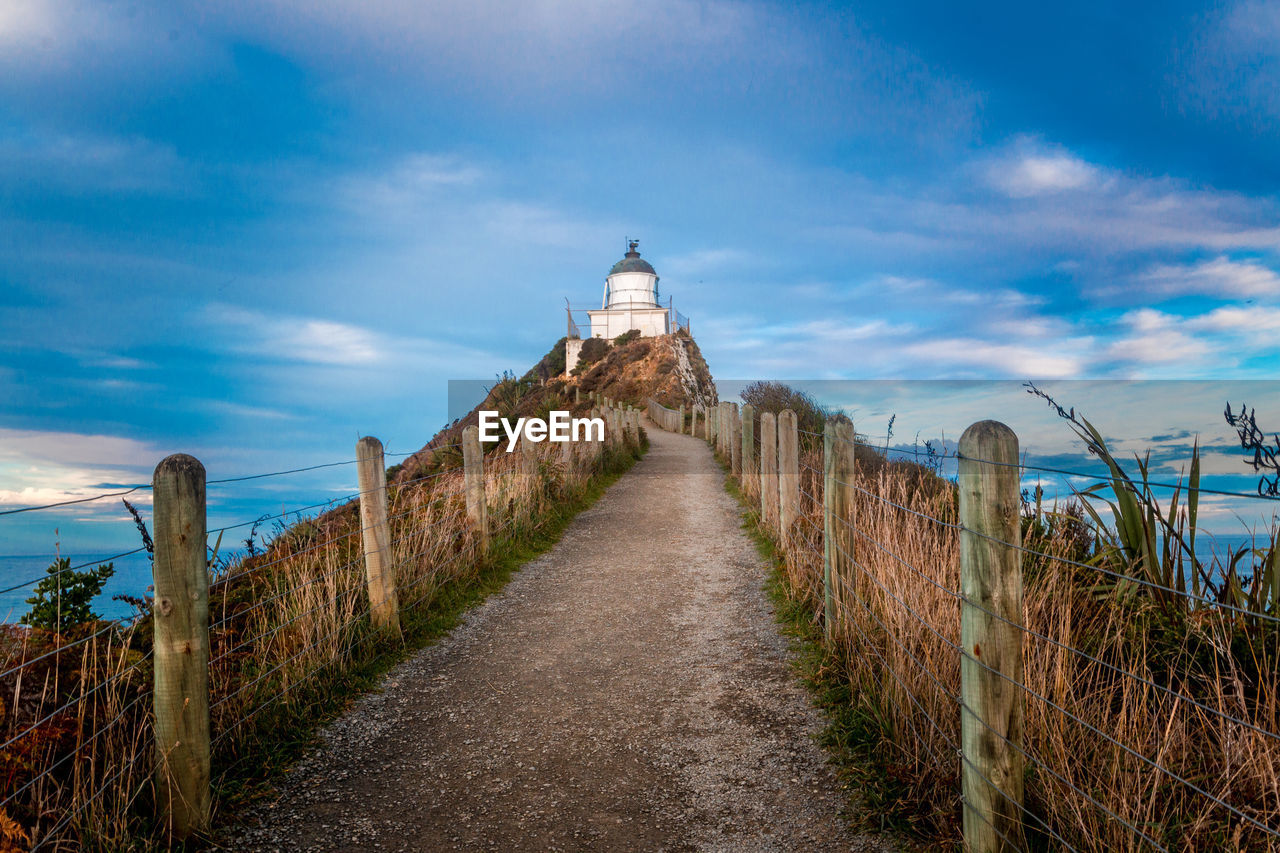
x: 631, y: 302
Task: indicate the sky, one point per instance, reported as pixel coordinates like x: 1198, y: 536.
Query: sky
x: 254, y: 231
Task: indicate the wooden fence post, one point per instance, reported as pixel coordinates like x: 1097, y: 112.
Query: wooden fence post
x: 726, y: 423
x: 735, y: 441
x: 568, y: 455
x: 712, y: 424
x: 473, y: 477
x: 371, y: 475
x: 828, y: 533
x: 181, y: 645
x: 844, y: 574
x: 748, y: 432
x: 991, y: 698
x: 788, y: 473
x: 680, y: 420
x: 528, y: 457
x: 597, y: 448
x: 769, y: 472
x: 830, y: 504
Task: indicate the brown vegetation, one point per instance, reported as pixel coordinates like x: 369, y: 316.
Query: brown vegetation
x: 1130, y: 706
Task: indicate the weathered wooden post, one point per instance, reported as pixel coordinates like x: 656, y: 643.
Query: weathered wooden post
x: 747, y: 429
x: 788, y: 472
x: 726, y: 429
x: 844, y: 573
x: 991, y: 696
x: 568, y: 456
x: 711, y: 424
x: 528, y: 457
x: 769, y: 472
x: 577, y: 396
x: 828, y: 523
x: 837, y: 509
x: 181, y: 645
x: 735, y: 441
x: 375, y: 534
x: 693, y: 421
x: 597, y: 447
x: 473, y: 477
x: 680, y: 420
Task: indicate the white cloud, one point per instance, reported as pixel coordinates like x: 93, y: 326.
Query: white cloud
x: 42, y: 467
x: 1023, y: 174
x: 1261, y: 320
x: 1001, y: 359
x: 302, y: 339
x: 1156, y: 338
x: 1218, y: 276
x: 73, y: 448
x: 1045, y: 199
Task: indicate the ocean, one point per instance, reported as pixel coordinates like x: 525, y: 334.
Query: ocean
x: 132, y: 577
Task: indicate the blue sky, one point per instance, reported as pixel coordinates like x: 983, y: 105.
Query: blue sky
x: 254, y: 231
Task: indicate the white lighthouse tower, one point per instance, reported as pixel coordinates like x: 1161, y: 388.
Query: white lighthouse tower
x: 631, y: 301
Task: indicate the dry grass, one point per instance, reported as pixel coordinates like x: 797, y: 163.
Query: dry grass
x: 290, y: 640
x: 1154, y: 699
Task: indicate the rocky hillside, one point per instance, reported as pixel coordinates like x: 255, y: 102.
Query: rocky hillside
x: 668, y: 368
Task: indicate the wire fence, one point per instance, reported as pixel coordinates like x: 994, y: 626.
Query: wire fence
x: 1055, y: 683
x: 291, y: 622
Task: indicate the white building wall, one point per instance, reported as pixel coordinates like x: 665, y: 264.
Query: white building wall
x: 613, y: 322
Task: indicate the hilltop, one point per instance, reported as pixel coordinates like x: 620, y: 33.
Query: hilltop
x: 629, y: 369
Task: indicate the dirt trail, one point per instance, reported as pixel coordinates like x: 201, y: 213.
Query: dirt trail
x: 626, y: 691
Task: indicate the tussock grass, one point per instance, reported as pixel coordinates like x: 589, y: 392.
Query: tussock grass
x: 1157, y: 696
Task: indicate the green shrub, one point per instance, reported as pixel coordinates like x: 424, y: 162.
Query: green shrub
x: 593, y: 349
x: 626, y: 337
x: 62, y: 599
x: 551, y: 365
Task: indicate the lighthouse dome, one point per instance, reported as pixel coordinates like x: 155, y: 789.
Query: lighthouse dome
x: 632, y: 262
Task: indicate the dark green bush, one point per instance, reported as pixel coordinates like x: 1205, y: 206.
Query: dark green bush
x: 62, y: 599
x: 593, y: 349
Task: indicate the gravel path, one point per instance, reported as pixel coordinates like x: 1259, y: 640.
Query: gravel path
x: 628, y: 690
